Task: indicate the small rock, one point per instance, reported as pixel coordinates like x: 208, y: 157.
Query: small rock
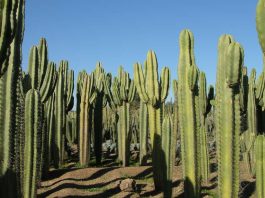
x: 128, y: 185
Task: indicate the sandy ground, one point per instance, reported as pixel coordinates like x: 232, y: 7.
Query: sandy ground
x: 103, y: 182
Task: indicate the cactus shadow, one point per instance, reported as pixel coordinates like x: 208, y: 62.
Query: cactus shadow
x: 95, y: 175
x: 106, y: 193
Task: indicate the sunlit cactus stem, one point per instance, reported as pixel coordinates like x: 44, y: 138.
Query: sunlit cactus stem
x: 88, y: 96
x: 260, y: 166
x: 228, y: 119
x: 168, y: 155
x: 32, y: 149
x: 123, y: 92
x: 153, y: 91
x: 143, y: 130
x: 187, y: 90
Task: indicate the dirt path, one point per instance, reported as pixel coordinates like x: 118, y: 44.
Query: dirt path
x: 103, y: 182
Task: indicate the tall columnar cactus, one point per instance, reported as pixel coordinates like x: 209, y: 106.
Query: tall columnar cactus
x: 260, y: 165
x: 80, y: 80
x: 123, y: 91
x: 204, y: 109
x: 71, y: 127
x: 59, y: 121
x: 50, y: 114
x: 248, y: 137
x: 63, y: 103
x: 175, y: 108
x: 143, y: 130
x: 153, y: 91
x: 228, y: 119
x: 32, y: 149
x: 88, y: 96
x: 42, y: 77
x: 187, y: 90
x: 11, y: 97
x: 100, y: 102
x: 12, y: 30
x: 168, y: 153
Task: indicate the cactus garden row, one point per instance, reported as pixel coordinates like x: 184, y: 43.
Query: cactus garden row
x: 41, y: 116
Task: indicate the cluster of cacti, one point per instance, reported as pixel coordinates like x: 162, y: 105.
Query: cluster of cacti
x: 37, y: 125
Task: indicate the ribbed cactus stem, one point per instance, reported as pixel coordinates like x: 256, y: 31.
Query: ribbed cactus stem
x: 87, y: 97
x: 260, y: 18
x: 228, y: 115
x: 32, y: 149
x: 168, y: 157
x: 187, y: 89
x: 59, y: 121
x: 143, y: 130
x: 153, y: 91
x: 203, y: 111
x: 260, y: 166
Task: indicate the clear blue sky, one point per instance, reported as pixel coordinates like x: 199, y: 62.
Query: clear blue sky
x: 120, y: 32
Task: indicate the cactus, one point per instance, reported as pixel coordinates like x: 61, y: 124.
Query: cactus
x: 260, y: 18
x: 88, y: 96
x: 204, y: 109
x: 71, y: 128
x: 100, y: 102
x: 11, y: 98
x: 168, y: 159
x: 123, y: 90
x: 248, y: 137
x: 143, y: 120
x: 32, y: 149
x: 153, y: 92
x: 63, y: 103
x: 187, y: 89
x: 259, y: 155
x: 228, y: 119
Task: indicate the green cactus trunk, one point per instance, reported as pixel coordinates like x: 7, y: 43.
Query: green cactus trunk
x: 59, y: 122
x: 124, y: 133
x: 228, y: 120
x: 98, y: 115
x: 187, y: 90
x: 260, y: 166
x: 11, y: 99
x: 32, y: 149
x: 153, y: 92
x: 143, y: 120
x: 50, y: 105
x: 168, y: 155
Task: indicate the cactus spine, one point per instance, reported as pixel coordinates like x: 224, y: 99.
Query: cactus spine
x: 228, y: 121
x: 32, y: 149
x: 153, y: 92
x: 187, y: 88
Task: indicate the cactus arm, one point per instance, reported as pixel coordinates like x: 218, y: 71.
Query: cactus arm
x: 33, y: 67
x: 47, y: 87
x: 260, y: 18
x: 140, y: 82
